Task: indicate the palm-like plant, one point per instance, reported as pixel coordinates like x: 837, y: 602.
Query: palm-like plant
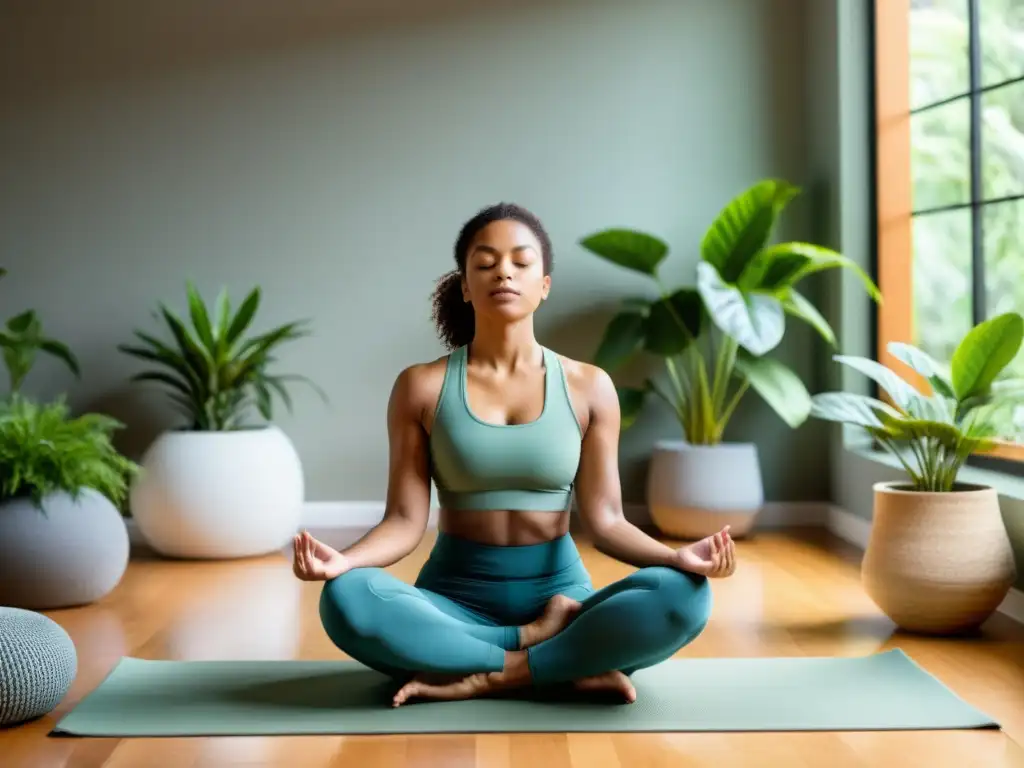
x: 213, y: 372
x: 933, y: 434
x: 714, y: 338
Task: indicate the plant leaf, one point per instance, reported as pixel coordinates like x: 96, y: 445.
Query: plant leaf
x: 902, y: 393
x: 308, y: 382
x: 631, y: 402
x: 674, y: 323
x: 852, y: 408
x: 278, y: 386
x: 22, y: 322
x: 902, y: 428
x: 984, y: 352
x: 784, y: 265
x: 622, y: 337
x: 244, y: 316
x: 191, y: 352
x: 628, y: 248
x: 778, y: 386
x: 925, y: 365
x: 164, y: 378
x: 201, y: 320
x: 61, y: 351
x: 744, y: 225
x: 637, y: 304
x: 800, y: 307
x: 755, y: 321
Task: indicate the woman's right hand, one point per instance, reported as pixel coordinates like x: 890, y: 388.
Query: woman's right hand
x: 315, y: 561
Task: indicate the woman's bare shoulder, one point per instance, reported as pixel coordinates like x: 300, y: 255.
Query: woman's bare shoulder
x: 589, y: 381
x: 418, y: 385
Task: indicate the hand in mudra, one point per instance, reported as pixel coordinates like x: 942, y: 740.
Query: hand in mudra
x: 714, y: 556
x: 315, y: 561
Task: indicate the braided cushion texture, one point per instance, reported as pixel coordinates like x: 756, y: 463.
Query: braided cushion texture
x: 38, y: 663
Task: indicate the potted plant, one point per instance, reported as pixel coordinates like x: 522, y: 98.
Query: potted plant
x: 63, y: 541
x: 220, y: 486
x: 714, y: 339
x: 938, y: 559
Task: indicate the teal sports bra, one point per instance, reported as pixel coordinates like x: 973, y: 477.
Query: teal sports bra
x: 522, y: 467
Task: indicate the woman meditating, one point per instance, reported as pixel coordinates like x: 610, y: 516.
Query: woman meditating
x: 509, y: 432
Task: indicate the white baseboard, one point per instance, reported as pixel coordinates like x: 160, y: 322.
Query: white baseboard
x: 856, y: 530
x: 848, y: 526
x: 1013, y: 605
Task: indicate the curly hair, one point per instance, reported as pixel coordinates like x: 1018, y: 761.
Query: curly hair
x: 453, y: 316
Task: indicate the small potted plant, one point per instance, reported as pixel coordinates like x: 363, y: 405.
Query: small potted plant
x: 63, y: 541
x: 938, y: 559
x: 715, y: 340
x: 220, y: 486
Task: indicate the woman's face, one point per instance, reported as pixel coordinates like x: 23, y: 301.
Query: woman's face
x: 504, y: 276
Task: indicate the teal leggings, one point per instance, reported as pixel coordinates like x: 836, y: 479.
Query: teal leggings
x: 470, y: 599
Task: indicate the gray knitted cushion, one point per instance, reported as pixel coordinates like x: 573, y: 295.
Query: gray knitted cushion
x: 37, y: 665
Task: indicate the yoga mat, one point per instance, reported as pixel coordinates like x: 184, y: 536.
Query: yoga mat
x: 885, y: 691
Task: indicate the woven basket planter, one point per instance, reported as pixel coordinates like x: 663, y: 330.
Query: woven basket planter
x: 937, y: 563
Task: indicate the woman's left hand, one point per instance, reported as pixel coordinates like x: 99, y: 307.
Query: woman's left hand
x: 714, y: 556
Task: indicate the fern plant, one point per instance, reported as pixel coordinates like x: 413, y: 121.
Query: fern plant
x: 211, y: 370
x: 44, y: 450
x: 933, y: 434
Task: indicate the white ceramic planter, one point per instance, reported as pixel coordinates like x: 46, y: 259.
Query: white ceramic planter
x: 70, y: 553
x: 695, y: 490
x: 216, y: 495
x: 937, y: 563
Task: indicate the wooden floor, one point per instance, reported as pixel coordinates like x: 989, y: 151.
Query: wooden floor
x: 794, y: 593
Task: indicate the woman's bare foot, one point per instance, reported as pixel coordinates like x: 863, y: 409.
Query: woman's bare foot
x: 611, y: 682
x: 558, y: 614
x: 515, y: 675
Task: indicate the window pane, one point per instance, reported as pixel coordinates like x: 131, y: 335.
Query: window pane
x: 942, y: 281
x: 1002, y: 40
x: 940, y: 155
x: 1004, y: 262
x: 938, y: 50
x: 1002, y: 136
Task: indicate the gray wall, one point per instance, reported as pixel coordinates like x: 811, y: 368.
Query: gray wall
x: 330, y: 155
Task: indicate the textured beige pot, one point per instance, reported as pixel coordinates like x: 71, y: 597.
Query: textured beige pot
x: 937, y: 563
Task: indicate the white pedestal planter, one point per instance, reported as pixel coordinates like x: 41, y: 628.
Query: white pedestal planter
x: 71, y: 553
x: 219, y: 494
x: 695, y: 490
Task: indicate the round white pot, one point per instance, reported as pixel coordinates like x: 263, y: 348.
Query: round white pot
x: 216, y: 495
x: 695, y: 490
x: 937, y: 563
x: 72, y: 552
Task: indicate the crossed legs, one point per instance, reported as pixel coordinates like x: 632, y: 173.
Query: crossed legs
x: 405, y: 631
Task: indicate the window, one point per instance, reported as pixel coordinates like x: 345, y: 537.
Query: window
x: 949, y: 111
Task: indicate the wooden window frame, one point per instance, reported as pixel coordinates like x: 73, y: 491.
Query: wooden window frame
x: 893, y: 189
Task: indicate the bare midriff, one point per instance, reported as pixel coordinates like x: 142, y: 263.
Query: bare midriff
x: 504, y: 528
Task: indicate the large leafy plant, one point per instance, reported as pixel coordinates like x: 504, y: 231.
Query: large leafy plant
x: 44, y: 450
x: 964, y: 409
x: 715, y: 336
x: 212, y: 370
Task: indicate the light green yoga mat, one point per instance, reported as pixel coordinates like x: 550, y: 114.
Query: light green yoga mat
x: 886, y: 691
